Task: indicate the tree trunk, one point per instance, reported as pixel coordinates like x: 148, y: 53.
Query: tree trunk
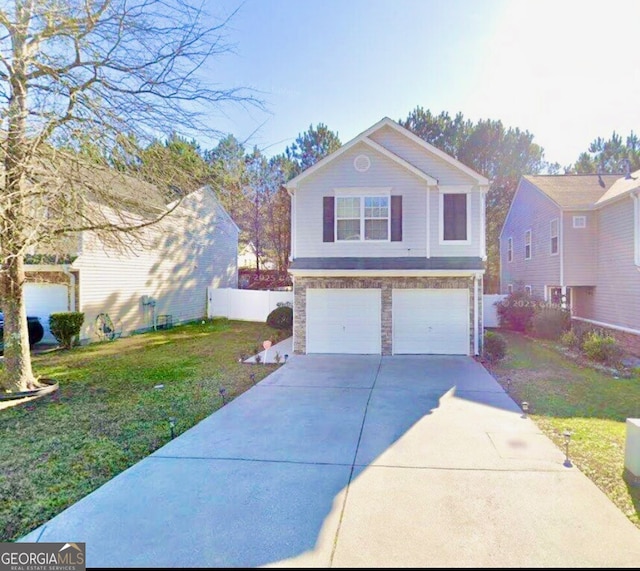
x: 17, y: 359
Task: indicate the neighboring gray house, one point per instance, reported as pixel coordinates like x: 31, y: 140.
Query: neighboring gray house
x: 388, y: 249
x: 173, y: 263
x: 574, y: 239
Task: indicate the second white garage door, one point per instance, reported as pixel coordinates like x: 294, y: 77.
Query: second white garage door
x: 431, y: 321
x: 343, y: 321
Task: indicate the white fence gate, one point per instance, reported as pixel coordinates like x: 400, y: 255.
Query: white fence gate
x: 490, y: 310
x: 245, y: 304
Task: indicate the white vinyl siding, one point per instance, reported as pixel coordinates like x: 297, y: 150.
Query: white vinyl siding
x: 386, y: 176
x: 335, y: 180
x: 344, y: 321
x: 431, y: 321
x: 190, y: 250
x: 418, y: 156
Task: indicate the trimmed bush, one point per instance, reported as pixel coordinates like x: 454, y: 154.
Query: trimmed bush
x: 550, y: 322
x: 65, y: 327
x: 494, y: 348
x: 570, y: 339
x: 516, y: 311
x: 281, y: 318
x: 601, y: 347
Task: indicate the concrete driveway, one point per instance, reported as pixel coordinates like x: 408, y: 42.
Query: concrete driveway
x: 355, y: 461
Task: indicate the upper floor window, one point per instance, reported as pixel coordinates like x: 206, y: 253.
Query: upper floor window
x: 579, y: 221
x: 554, y: 236
x: 528, y: 289
x: 510, y: 250
x: 510, y: 288
x: 362, y: 218
x: 454, y: 217
x: 527, y: 245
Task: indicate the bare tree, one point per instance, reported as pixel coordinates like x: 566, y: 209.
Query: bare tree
x: 78, y: 73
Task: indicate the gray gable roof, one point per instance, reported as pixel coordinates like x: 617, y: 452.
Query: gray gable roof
x: 406, y: 263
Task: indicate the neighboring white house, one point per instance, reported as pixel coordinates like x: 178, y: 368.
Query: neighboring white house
x: 164, y: 273
x: 388, y: 249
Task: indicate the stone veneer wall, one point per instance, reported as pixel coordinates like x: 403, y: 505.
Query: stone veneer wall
x: 386, y: 285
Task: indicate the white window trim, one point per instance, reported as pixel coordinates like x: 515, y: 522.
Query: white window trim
x: 636, y: 228
x: 453, y: 190
x: 557, y: 236
x: 362, y: 193
x: 584, y: 225
x: 510, y: 249
x: 528, y: 290
x: 530, y: 244
x: 510, y: 288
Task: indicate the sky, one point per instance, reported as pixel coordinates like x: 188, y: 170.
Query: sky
x: 566, y: 71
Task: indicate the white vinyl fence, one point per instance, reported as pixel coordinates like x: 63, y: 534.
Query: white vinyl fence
x: 245, y: 304
x: 490, y: 310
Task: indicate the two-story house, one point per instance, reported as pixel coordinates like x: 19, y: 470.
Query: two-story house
x: 388, y: 249
x: 574, y: 240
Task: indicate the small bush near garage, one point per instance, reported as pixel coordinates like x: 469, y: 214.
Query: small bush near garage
x: 281, y: 318
x: 516, y: 311
x: 570, y: 339
x: 495, y: 347
x: 601, y: 347
x: 65, y: 327
x: 550, y: 322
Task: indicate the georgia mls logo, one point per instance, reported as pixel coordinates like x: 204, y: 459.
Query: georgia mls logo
x: 42, y: 557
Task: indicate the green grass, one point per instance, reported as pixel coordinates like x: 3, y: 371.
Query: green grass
x: 107, y: 414
x: 591, y: 404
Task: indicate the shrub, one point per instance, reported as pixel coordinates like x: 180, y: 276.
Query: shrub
x: 495, y: 347
x: 550, y: 322
x: 601, y: 347
x: 281, y: 318
x: 65, y: 327
x: 516, y: 311
x: 570, y: 339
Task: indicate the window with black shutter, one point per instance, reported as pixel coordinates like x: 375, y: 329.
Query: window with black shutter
x: 454, y: 216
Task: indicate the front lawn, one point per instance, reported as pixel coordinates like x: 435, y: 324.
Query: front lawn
x: 593, y: 405
x: 108, y: 415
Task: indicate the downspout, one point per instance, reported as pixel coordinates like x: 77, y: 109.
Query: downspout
x: 476, y: 350
x: 428, y: 222
x: 561, y: 248
x: 72, y: 286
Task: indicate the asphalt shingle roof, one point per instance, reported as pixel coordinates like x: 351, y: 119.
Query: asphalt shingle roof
x: 574, y: 190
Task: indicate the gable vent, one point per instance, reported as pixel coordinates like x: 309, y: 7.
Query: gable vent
x: 362, y: 163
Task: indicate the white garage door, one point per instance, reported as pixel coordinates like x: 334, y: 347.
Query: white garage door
x: 44, y: 299
x: 431, y: 321
x: 343, y: 321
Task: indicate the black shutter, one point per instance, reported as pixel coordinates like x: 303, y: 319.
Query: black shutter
x: 327, y: 219
x: 396, y: 218
x: 455, y: 216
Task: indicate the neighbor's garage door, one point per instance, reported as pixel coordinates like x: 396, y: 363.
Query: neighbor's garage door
x: 42, y: 300
x: 343, y: 321
x: 431, y: 321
